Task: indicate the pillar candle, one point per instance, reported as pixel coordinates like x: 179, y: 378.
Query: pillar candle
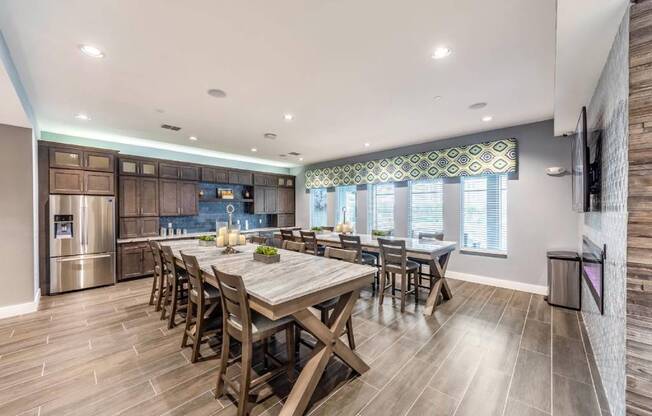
x: 233, y: 239
x: 220, y: 241
x: 242, y: 240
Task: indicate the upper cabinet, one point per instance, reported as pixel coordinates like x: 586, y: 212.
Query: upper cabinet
x: 261, y: 179
x: 138, y: 167
x: 285, y: 181
x: 174, y: 171
x: 138, y: 197
x: 74, y: 158
x: 178, y: 198
x: 214, y: 175
x: 98, y: 161
x: 238, y: 177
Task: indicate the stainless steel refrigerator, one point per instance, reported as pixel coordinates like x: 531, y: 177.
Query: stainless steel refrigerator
x: 82, y: 242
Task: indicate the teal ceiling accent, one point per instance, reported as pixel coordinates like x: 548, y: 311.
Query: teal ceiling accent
x: 497, y: 156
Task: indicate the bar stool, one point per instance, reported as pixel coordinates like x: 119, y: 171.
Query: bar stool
x: 352, y: 242
x: 394, y: 262
x: 204, y: 299
x: 424, y: 238
x: 176, y: 279
x: 294, y: 246
x: 309, y: 238
x: 247, y: 327
x: 158, y: 285
x: 256, y: 239
x: 287, y: 235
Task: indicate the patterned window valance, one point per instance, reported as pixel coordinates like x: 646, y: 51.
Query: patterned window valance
x: 498, y: 156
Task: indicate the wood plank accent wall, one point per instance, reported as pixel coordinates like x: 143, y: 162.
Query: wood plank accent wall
x: 639, y: 229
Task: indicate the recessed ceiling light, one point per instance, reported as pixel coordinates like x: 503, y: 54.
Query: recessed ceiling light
x: 270, y: 136
x: 441, y: 52
x: 367, y: 144
x: 91, y: 51
x: 300, y: 159
x: 214, y: 92
x: 477, y: 106
x: 487, y: 118
x: 253, y: 149
x: 193, y: 138
x: 82, y: 116
x: 288, y: 117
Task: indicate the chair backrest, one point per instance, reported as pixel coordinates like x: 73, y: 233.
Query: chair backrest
x: 255, y: 239
x: 393, y: 252
x: 168, y: 261
x: 337, y: 253
x: 309, y: 238
x: 287, y: 235
x: 235, y: 303
x: 195, y: 276
x: 431, y: 236
x: 158, y: 261
x: 294, y: 246
x: 352, y: 242
x: 331, y: 229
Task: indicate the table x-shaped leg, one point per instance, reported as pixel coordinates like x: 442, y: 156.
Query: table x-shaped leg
x: 328, y: 344
x: 438, y: 269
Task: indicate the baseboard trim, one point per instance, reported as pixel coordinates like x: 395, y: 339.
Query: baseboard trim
x: 492, y: 281
x: 21, y: 308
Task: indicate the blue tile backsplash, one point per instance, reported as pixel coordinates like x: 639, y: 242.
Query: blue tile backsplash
x: 212, y: 210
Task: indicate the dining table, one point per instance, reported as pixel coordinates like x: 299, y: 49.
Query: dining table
x: 289, y: 288
x: 435, y: 252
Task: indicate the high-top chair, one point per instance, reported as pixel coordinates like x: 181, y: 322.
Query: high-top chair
x: 247, y: 327
x: 255, y: 239
x: 352, y: 242
x: 176, y: 279
x: 294, y: 246
x: 158, y: 285
x: 309, y: 238
x: 203, y: 299
x: 394, y: 262
x: 424, y: 238
x: 287, y: 235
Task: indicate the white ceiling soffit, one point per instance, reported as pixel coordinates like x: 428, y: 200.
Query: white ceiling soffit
x: 351, y: 72
x: 11, y: 110
x: 585, y: 32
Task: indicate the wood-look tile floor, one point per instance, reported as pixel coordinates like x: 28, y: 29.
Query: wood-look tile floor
x: 488, y: 351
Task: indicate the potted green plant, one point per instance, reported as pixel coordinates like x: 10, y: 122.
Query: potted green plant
x: 267, y: 254
x: 207, y: 240
x: 317, y: 229
x: 380, y: 233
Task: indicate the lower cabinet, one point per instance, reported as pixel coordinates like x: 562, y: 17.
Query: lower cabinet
x: 136, y: 260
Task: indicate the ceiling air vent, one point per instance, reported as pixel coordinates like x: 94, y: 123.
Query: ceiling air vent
x: 170, y: 127
x: 294, y: 153
x: 283, y: 155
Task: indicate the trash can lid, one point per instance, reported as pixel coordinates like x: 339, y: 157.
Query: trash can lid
x: 563, y: 255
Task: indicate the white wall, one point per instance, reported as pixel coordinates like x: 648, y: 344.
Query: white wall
x: 538, y: 207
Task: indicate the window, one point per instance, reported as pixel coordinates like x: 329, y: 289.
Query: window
x: 381, y: 207
x: 426, y: 207
x: 484, y: 213
x: 318, y: 212
x: 346, y: 199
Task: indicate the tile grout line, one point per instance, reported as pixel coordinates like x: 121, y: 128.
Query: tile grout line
x: 518, y: 353
x: 586, y: 355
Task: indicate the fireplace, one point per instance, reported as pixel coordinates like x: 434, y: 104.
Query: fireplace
x: 593, y: 258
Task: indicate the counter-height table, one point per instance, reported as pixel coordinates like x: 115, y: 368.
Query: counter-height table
x: 289, y: 288
x: 437, y: 253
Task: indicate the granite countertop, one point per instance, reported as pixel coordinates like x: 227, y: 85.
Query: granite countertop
x: 197, y: 235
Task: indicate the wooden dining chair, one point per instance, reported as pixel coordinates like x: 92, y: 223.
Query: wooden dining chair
x: 309, y: 238
x: 352, y: 242
x: 394, y: 262
x: 176, y: 281
x: 248, y: 327
x: 203, y: 299
x: 424, y: 237
x: 287, y: 235
x: 158, y: 285
x: 255, y: 239
x: 294, y: 246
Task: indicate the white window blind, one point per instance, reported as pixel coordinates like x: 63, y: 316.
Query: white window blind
x: 345, y: 196
x: 381, y: 206
x: 484, y: 212
x: 318, y: 211
x: 426, y: 207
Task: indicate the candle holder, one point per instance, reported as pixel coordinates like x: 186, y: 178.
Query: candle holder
x: 230, y: 234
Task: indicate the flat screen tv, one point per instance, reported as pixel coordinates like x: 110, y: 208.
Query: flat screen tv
x: 594, y: 170
x: 593, y: 270
x: 580, y: 163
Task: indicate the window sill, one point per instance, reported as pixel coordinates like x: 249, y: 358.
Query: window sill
x: 485, y: 253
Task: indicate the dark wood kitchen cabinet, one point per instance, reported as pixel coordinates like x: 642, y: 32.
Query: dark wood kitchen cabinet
x: 66, y: 181
x: 136, y: 260
x: 99, y: 161
x: 265, y: 200
x: 139, y: 227
x: 138, y: 197
x: 66, y: 158
x: 285, y: 204
x: 285, y: 220
x: 264, y: 180
x: 174, y: 171
x: 214, y: 175
x: 178, y: 198
x: 237, y: 177
x: 138, y: 167
x: 99, y: 183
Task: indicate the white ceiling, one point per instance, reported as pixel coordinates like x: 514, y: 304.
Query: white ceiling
x: 350, y: 71
x: 585, y: 32
x: 11, y: 110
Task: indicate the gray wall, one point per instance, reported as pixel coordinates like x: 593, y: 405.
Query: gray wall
x: 608, y: 111
x: 539, y: 206
x: 16, y: 216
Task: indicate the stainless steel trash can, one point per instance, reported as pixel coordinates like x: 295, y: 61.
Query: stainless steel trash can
x: 564, y: 279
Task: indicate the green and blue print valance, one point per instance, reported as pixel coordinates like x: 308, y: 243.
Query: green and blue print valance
x: 498, y: 156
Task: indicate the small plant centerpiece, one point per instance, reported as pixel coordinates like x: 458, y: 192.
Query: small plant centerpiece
x: 380, y: 233
x: 317, y: 230
x: 207, y: 240
x: 267, y: 254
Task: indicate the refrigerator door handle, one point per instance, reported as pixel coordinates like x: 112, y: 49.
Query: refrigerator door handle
x: 84, y: 257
